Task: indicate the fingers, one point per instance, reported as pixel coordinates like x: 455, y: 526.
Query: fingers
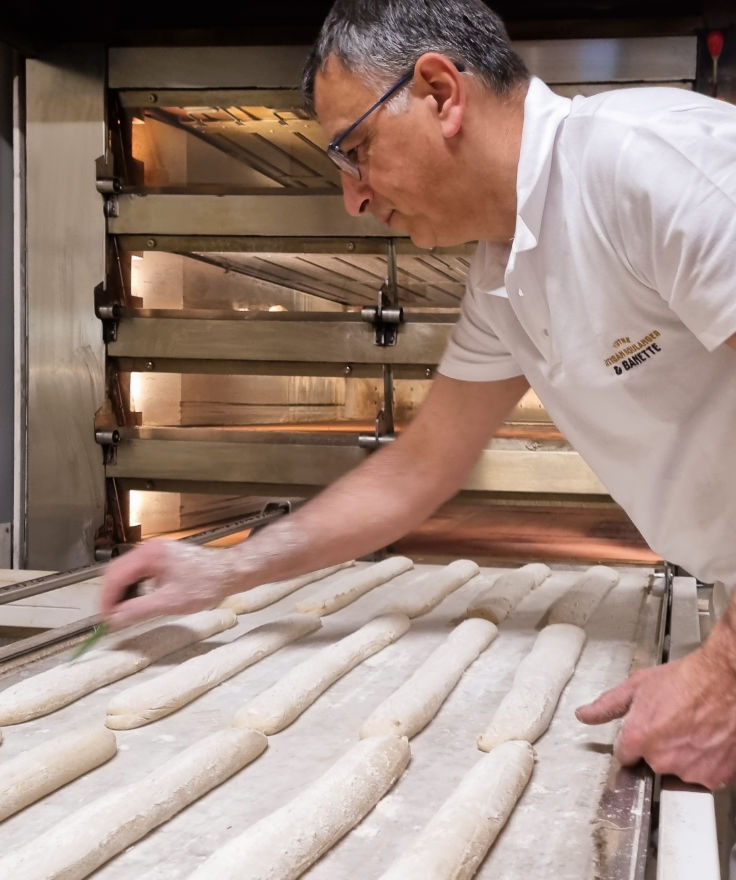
x: 625, y: 750
x: 136, y: 565
x: 136, y: 610
x: 612, y: 704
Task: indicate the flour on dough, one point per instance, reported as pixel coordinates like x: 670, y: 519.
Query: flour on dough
x: 497, y: 601
x: 159, y: 696
x: 42, y: 769
x: 276, y: 708
x: 285, y: 843
x: 459, y: 835
x: 85, y: 839
x: 56, y: 687
x: 580, y: 601
x: 267, y: 594
x: 427, y: 591
x: 343, y: 590
x: 410, y: 708
x: 527, y: 709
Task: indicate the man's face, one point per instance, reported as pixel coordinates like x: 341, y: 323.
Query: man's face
x: 402, y: 158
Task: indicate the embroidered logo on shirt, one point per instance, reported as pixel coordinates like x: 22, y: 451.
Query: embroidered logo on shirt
x: 630, y: 354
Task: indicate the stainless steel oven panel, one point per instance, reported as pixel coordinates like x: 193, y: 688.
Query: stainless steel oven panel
x: 634, y: 59
x: 65, y: 261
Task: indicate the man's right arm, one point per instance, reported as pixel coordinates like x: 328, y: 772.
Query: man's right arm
x: 394, y: 490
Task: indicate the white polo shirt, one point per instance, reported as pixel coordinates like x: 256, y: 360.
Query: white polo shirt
x: 615, y: 300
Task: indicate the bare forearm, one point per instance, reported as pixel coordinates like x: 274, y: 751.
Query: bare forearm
x: 366, y: 509
x: 392, y: 492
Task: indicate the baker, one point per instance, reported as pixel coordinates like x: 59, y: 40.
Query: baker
x: 604, y: 277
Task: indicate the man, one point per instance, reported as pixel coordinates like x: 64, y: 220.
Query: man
x: 605, y: 277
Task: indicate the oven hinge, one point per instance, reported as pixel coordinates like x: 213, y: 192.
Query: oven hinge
x: 386, y: 318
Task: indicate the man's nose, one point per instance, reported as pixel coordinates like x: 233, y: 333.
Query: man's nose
x: 356, y: 194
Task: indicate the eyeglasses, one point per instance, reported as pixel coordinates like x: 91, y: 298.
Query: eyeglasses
x: 343, y: 161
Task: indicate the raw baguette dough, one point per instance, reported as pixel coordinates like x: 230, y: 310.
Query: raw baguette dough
x: 428, y: 590
x: 580, y: 601
x: 43, y: 693
x: 283, y: 844
x: 527, y: 709
x: 496, y: 602
x: 410, y: 708
x: 279, y: 705
x: 456, y: 839
x: 164, y: 694
x: 34, y: 773
x: 86, y: 839
x: 267, y: 594
x: 354, y: 585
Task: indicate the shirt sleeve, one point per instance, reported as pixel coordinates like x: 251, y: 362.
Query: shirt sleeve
x: 474, y: 352
x: 676, y: 186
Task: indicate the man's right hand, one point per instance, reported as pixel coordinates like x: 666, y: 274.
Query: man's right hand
x: 185, y: 578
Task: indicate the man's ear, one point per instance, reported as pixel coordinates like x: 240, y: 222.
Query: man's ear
x: 436, y: 77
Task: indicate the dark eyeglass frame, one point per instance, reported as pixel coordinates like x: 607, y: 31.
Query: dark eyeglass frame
x: 342, y: 160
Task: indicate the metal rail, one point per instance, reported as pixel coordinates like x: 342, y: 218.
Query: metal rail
x: 46, y: 583
x: 623, y: 827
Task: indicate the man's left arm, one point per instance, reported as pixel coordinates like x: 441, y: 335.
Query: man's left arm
x: 680, y: 717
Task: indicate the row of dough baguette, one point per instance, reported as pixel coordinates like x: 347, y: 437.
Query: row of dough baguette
x: 429, y: 705
x: 61, y: 685
x: 171, y: 690
x: 416, y: 702
x: 35, y: 773
x: 283, y: 844
x: 524, y: 712
x: 57, y: 687
x: 157, y: 697
x: 286, y: 699
x: 340, y: 799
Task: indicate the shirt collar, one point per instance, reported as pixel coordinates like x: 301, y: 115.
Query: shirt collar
x: 543, y: 114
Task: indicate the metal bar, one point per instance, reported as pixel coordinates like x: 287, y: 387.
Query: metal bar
x: 190, y: 67
x: 268, y: 67
x: 622, y: 826
x: 275, y: 99
x: 688, y: 839
x: 633, y: 59
x: 275, y: 244
x: 309, y: 340
x: 45, y: 639
x: 277, y: 214
x: 289, y: 461
x: 268, y: 368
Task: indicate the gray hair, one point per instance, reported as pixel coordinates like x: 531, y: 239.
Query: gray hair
x: 382, y: 39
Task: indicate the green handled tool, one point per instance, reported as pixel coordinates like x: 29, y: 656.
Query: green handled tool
x: 97, y: 633
x: 100, y: 629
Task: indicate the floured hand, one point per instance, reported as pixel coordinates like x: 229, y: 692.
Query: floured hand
x: 184, y: 578
x: 680, y: 717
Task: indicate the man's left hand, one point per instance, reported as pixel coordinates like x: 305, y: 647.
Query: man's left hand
x: 679, y: 717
